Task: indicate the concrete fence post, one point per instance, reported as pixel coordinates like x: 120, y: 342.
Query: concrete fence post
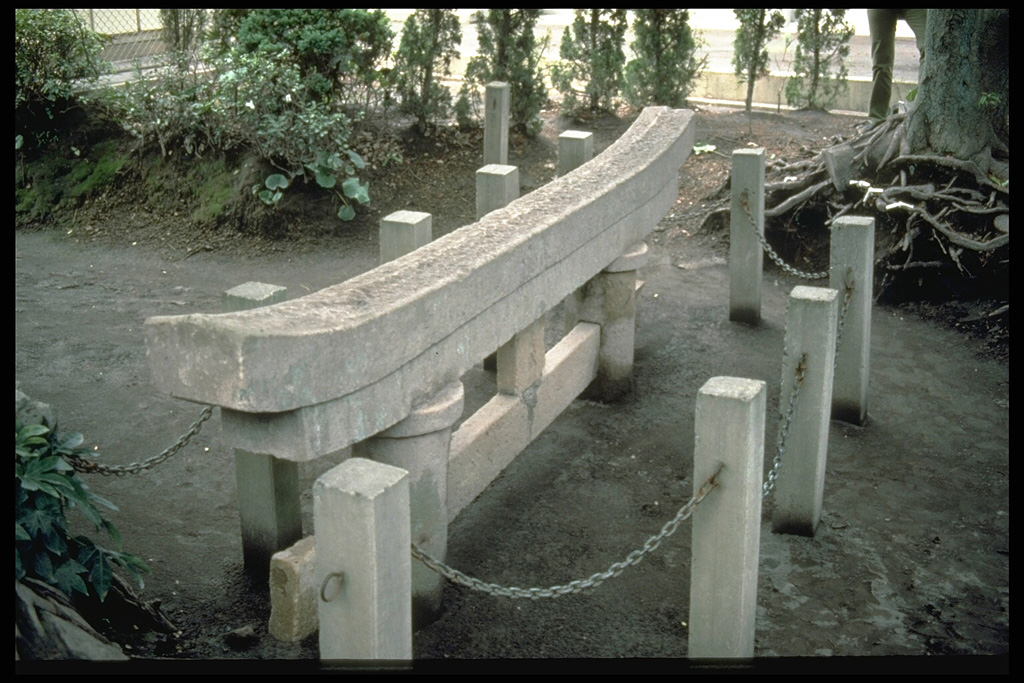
x: 575, y: 148
x: 810, y: 343
x: 402, y: 232
x: 746, y: 222
x: 363, y: 562
x: 268, y: 487
x: 497, y: 186
x: 729, y: 431
x: 420, y: 445
x: 853, y: 258
x: 496, y: 102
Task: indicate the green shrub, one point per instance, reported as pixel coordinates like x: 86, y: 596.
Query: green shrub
x: 823, y: 42
x: 184, y: 31
x: 45, y: 489
x: 589, y: 75
x: 509, y: 52
x: 257, y: 102
x: 750, y: 49
x: 666, y: 64
x: 430, y: 41
x: 335, y: 50
x: 52, y: 51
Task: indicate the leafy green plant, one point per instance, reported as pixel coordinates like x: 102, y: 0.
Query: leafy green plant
x: 45, y: 489
x: 823, y: 42
x: 430, y: 42
x: 508, y: 52
x: 340, y: 53
x: 750, y: 49
x: 589, y: 75
x: 52, y: 51
x: 666, y: 63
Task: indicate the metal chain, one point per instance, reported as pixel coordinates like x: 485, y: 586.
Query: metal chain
x: 86, y: 466
x: 847, y: 295
x: 771, y: 252
x: 787, y: 420
x: 579, y: 585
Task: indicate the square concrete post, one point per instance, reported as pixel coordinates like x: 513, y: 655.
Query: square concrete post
x: 746, y: 222
x: 497, y: 186
x: 575, y: 148
x: 853, y: 260
x: 361, y: 514
x: 496, y: 102
x: 521, y: 359
x: 420, y: 445
x: 609, y: 300
x: 810, y: 343
x: 268, y: 487
x: 402, y: 232
x: 729, y: 432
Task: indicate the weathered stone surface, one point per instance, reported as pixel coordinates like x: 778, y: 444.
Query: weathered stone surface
x: 366, y: 350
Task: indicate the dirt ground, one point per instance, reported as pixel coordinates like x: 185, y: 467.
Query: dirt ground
x: 911, y: 557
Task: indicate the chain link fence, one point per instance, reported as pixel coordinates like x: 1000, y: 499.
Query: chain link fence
x: 136, y: 35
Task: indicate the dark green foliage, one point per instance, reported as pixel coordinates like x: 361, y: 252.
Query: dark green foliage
x: 589, y: 75
x: 750, y: 55
x: 430, y: 41
x: 823, y: 42
x: 52, y: 50
x: 184, y: 31
x: 45, y: 488
x: 666, y: 63
x: 508, y: 52
x: 331, y: 47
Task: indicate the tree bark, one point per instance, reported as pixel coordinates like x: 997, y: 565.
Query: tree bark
x: 964, y: 91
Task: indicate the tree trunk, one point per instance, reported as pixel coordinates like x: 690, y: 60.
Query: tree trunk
x: 963, y: 98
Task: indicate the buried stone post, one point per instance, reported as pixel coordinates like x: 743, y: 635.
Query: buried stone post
x: 728, y: 433
x: 420, y: 445
x: 268, y: 487
x: 609, y: 300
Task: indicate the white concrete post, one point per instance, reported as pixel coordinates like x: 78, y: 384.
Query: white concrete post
x: 521, y: 359
x: 361, y: 514
x: 729, y: 432
x: 575, y: 148
x: 268, y: 487
x: 402, y: 232
x: 609, y: 300
x: 746, y: 222
x: 853, y: 259
x: 496, y: 102
x: 810, y: 342
x: 497, y: 186
x: 420, y: 444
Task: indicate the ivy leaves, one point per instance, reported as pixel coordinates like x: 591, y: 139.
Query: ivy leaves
x: 45, y: 489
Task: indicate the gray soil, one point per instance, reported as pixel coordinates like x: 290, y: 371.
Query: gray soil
x: 911, y: 557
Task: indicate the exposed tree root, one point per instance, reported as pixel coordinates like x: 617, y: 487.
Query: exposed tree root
x: 934, y: 214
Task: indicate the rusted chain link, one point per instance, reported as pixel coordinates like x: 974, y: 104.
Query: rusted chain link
x: 848, y: 284
x: 787, y: 420
x: 744, y: 202
x: 579, y: 585
x: 82, y: 465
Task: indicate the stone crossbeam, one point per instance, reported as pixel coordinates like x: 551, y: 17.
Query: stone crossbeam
x: 310, y: 376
